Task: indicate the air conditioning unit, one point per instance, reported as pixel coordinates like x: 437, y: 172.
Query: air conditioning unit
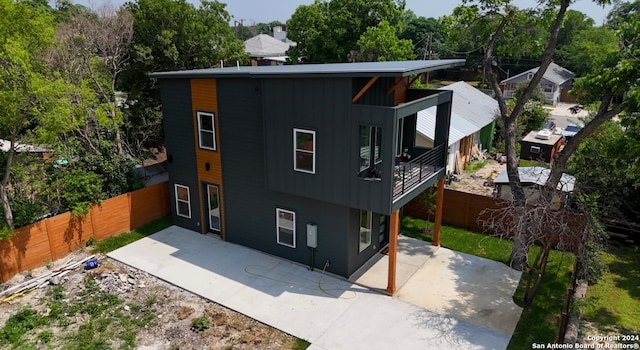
x: 543, y: 134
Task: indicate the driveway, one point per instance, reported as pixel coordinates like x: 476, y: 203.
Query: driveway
x: 329, y: 312
x: 562, y: 116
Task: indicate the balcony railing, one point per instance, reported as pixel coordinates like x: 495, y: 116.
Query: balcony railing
x: 408, y: 175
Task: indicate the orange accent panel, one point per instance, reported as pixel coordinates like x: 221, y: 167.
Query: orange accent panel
x: 204, y: 98
x: 400, y: 92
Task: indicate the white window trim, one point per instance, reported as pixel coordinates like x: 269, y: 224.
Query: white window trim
x: 368, y: 148
x: 217, y: 191
x: 178, y: 200
x: 399, y: 137
x: 295, y: 150
x: 213, y: 132
x: 377, y: 142
x: 534, y: 149
x: 278, y: 211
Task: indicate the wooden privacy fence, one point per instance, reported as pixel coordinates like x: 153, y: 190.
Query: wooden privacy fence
x: 53, y: 238
x: 462, y: 209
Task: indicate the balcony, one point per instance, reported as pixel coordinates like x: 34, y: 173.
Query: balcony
x: 411, y: 174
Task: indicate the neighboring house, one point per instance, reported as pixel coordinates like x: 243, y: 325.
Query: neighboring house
x: 532, y: 178
x: 265, y: 50
x: 540, y: 145
x: 40, y: 151
x: 473, y: 115
x: 555, y: 82
x: 285, y: 158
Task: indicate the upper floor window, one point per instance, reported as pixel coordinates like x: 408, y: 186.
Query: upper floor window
x: 206, y: 131
x: 370, y: 146
x: 183, y: 202
x: 304, y: 150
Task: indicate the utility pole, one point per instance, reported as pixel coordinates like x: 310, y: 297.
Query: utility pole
x: 235, y: 27
x: 427, y: 55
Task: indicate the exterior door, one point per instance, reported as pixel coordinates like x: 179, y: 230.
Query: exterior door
x: 214, y: 220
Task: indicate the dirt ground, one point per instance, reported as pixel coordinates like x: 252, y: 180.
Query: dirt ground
x: 479, y: 182
x: 163, y: 314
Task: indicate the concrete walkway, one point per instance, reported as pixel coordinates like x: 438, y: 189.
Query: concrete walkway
x: 328, y: 312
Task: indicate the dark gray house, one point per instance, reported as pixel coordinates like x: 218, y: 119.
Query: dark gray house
x: 307, y: 162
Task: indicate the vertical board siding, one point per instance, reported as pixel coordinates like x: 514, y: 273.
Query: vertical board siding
x: 177, y: 116
x: 250, y: 215
x: 204, y: 98
x: 37, y: 244
x: 321, y: 105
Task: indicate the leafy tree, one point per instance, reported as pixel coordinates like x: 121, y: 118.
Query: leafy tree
x: 426, y: 34
x: 588, y: 48
x: 35, y: 105
x: 506, y: 28
x: 605, y: 165
x: 188, y: 38
x: 78, y: 189
x: 472, y: 26
x: 328, y: 31
x: 622, y: 12
x: 381, y: 44
x: 533, y: 116
x: 574, y: 23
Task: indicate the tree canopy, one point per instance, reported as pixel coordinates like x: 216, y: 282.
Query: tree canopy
x: 328, y: 31
x: 35, y: 103
x: 189, y: 38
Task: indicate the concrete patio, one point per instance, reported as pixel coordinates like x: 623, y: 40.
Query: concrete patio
x: 464, y: 286
x: 435, y: 307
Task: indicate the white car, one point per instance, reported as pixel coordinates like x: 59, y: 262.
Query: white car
x: 570, y: 131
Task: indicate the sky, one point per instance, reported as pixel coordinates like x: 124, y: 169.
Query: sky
x: 265, y: 11
x: 256, y: 11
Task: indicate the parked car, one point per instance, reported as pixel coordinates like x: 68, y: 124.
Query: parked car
x: 570, y: 131
x: 549, y: 125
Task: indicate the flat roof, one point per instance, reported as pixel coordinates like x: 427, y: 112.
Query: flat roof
x: 531, y: 137
x: 358, y: 69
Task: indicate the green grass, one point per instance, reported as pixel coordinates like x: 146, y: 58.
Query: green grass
x: 613, y: 304
x: 121, y: 240
x: 102, y: 321
x: 538, y: 321
x: 460, y: 240
x: 531, y: 163
x: 474, y: 166
x: 301, y: 344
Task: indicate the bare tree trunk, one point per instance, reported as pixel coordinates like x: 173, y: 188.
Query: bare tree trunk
x: 531, y: 293
x: 518, y: 258
x: 4, y: 187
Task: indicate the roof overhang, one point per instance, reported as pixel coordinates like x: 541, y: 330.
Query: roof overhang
x: 358, y: 69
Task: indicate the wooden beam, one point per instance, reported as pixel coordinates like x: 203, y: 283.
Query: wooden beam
x: 394, y: 86
x: 364, y: 89
x: 393, y: 251
x: 437, y: 222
